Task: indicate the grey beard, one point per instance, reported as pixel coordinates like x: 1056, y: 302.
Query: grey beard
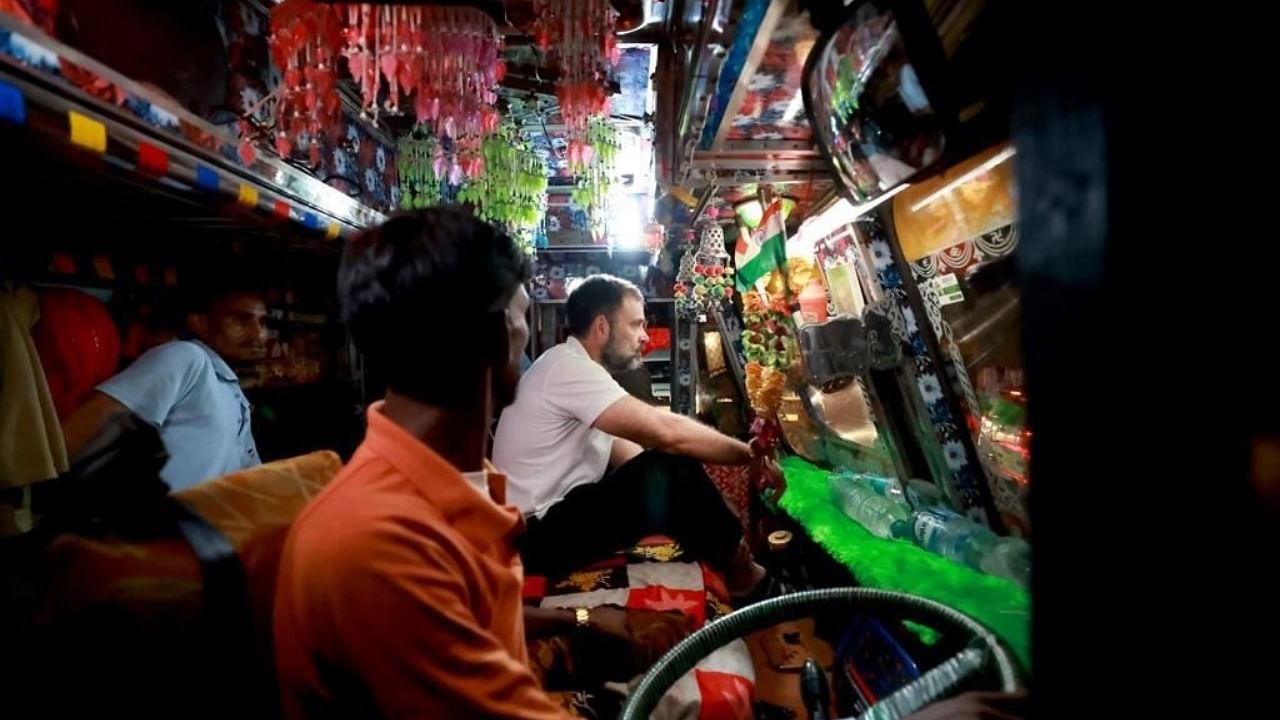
x: 616, y: 362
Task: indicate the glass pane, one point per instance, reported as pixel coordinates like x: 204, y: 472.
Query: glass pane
x: 959, y: 233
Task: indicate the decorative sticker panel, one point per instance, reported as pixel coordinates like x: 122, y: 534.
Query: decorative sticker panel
x: 774, y: 108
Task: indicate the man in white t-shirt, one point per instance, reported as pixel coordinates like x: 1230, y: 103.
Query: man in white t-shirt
x: 595, y: 469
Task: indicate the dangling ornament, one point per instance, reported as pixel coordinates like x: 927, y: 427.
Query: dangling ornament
x: 705, y: 279
x: 511, y: 189
x: 447, y: 61
x: 770, y: 349
x: 713, y: 266
x: 423, y: 162
x: 580, y: 33
x: 593, y: 164
x: 303, y: 43
x: 685, y: 284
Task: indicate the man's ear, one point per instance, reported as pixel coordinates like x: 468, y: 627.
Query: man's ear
x: 600, y: 325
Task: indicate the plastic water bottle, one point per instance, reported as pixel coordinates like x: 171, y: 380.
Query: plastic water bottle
x: 882, y: 485
x: 951, y: 535
x: 884, y: 517
x: 923, y: 495
x: 958, y: 538
x: 1008, y: 558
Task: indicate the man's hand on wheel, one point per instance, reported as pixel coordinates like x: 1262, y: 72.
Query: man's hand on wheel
x: 647, y: 633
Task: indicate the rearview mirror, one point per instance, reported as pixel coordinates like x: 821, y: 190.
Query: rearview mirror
x: 874, y: 103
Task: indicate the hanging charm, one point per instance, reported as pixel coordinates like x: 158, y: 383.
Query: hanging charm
x: 303, y: 43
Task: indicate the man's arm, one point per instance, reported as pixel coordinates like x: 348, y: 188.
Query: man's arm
x: 672, y: 433
x: 605, y: 619
x: 89, y: 419
x: 540, y: 621
x: 150, y: 387
x: 655, y: 633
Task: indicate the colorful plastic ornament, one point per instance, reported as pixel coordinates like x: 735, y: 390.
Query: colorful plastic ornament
x: 510, y: 189
x: 686, y: 282
x: 304, y: 41
x: 593, y: 164
x: 579, y: 34
x: 447, y: 59
x: 767, y: 337
x: 425, y: 164
x: 706, y: 268
x: 770, y: 349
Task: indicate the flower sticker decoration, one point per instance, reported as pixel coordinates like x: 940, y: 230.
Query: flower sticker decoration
x: 909, y: 318
x: 342, y: 162
x: 881, y: 255
x: 930, y: 389
x: 954, y: 453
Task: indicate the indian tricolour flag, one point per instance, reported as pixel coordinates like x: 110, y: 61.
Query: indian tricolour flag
x: 764, y: 250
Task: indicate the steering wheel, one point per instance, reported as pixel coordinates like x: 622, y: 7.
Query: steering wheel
x: 985, y: 653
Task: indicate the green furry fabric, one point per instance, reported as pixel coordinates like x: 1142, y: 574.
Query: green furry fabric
x: 1001, y: 605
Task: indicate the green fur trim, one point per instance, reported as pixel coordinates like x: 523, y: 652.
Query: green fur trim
x: 1001, y: 605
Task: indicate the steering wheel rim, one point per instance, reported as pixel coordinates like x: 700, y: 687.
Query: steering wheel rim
x: 682, y: 658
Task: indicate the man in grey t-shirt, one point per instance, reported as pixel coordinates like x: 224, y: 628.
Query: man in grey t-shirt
x: 188, y: 391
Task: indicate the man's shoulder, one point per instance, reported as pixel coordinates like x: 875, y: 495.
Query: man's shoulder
x: 562, y: 362
x: 178, y: 364
x: 369, y: 502
x: 365, y: 532
x: 177, y: 354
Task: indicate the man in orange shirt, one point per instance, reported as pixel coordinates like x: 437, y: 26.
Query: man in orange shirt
x: 400, y: 591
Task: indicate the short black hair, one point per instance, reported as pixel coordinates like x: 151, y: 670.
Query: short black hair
x: 595, y: 296
x: 424, y: 296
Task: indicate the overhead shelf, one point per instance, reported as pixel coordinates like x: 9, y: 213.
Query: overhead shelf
x: 147, y: 134
x: 561, y: 301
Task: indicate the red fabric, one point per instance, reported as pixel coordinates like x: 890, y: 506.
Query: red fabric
x: 701, y: 601
x: 714, y: 582
x: 653, y: 576
x: 535, y: 587
x: 734, y: 483
x: 725, y: 696
x: 690, y: 603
